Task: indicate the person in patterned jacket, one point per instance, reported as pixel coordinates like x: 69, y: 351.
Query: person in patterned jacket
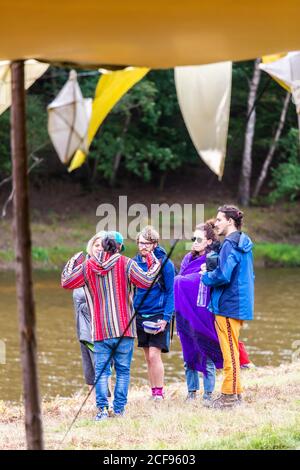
x: 109, y: 279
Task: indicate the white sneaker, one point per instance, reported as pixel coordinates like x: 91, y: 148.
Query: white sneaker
x: 158, y: 398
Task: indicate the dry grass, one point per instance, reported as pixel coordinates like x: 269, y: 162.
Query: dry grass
x: 268, y: 419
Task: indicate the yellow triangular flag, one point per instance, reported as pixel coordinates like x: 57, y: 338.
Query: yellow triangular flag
x: 110, y: 89
x: 78, y: 160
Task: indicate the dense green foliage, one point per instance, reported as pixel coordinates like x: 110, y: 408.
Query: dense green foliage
x: 145, y: 136
x: 286, y: 177
x: 37, y: 135
x: 146, y: 130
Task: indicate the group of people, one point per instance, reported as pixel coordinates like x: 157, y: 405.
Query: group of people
x: 210, y: 296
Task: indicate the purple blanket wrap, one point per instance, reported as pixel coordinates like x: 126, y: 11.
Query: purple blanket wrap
x: 195, y: 325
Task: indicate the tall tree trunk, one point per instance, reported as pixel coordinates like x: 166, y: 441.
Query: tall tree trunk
x: 22, y: 237
x: 96, y: 160
x: 118, y: 156
x: 272, y: 149
x: 245, y: 178
x: 94, y: 172
x: 162, y: 181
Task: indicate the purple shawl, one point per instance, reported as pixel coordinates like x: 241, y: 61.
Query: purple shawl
x: 195, y: 325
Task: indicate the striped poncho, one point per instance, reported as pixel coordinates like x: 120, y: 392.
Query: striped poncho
x: 108, y: 285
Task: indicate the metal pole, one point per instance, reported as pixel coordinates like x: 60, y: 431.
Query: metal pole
x: 22, y: 237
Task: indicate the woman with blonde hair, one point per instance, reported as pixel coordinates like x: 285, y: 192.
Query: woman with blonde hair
x: 82, y: 311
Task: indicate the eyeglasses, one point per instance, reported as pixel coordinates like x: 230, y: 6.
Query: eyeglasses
x: 145, y: 243
x: 197, y: 239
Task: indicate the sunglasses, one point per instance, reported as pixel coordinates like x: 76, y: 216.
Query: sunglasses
x: 197, y: 239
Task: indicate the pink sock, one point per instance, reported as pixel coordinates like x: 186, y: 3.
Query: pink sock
x: 153, y: 391
x: 159, y: 391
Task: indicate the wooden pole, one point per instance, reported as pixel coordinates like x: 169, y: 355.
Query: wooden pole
x: 22, y: 237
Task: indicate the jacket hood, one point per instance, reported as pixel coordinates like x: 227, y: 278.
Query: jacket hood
x: 160, y: 252
x: 104, y: 263
x: 240, y: 241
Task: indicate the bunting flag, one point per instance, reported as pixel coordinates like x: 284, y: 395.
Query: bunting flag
x: 204, y: 98
x: 111, y: 87
x: 268, y: 59
x: 68, y: 120
x: 286, y: 70
x: 33, y: 71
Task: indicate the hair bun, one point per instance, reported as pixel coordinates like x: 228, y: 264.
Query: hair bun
x: 211, y: 223
x: 109, y: 245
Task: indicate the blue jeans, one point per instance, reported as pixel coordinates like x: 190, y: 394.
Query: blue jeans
x: 121, y: 357
x: 192, y: 377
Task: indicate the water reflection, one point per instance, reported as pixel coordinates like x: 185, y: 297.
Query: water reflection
x: 269, y: 338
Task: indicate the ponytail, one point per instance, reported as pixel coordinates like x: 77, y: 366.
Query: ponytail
x: 110, y: 245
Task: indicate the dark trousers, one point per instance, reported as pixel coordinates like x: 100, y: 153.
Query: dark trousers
x: 88, y: 365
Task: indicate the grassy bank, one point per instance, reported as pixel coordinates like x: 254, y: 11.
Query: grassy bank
x: 268, y: 419
x: 63, y: 230
x: 54, y: 258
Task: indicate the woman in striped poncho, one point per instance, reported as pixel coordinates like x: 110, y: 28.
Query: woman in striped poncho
x: 109, y: 279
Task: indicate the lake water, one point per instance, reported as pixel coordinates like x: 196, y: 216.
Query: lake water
x: 271, y: 339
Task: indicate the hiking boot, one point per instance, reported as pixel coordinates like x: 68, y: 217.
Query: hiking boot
x: 239, y: 399
x: 102, y: 415
x: 119, y: 414
x: 207, y: 396
x: 224, y: 401
x: 191, y: 396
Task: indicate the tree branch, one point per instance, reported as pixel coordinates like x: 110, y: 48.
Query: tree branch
x: 37, y: 161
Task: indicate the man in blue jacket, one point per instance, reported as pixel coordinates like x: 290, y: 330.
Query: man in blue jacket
x: 158, y: 307
x: 232, y: 297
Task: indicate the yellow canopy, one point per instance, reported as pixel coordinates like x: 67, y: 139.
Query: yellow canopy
x: 155, y: 34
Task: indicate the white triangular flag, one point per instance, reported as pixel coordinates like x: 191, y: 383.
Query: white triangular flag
x: 204, y: 98
x: 33, y: 71
x: 68, y: 120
